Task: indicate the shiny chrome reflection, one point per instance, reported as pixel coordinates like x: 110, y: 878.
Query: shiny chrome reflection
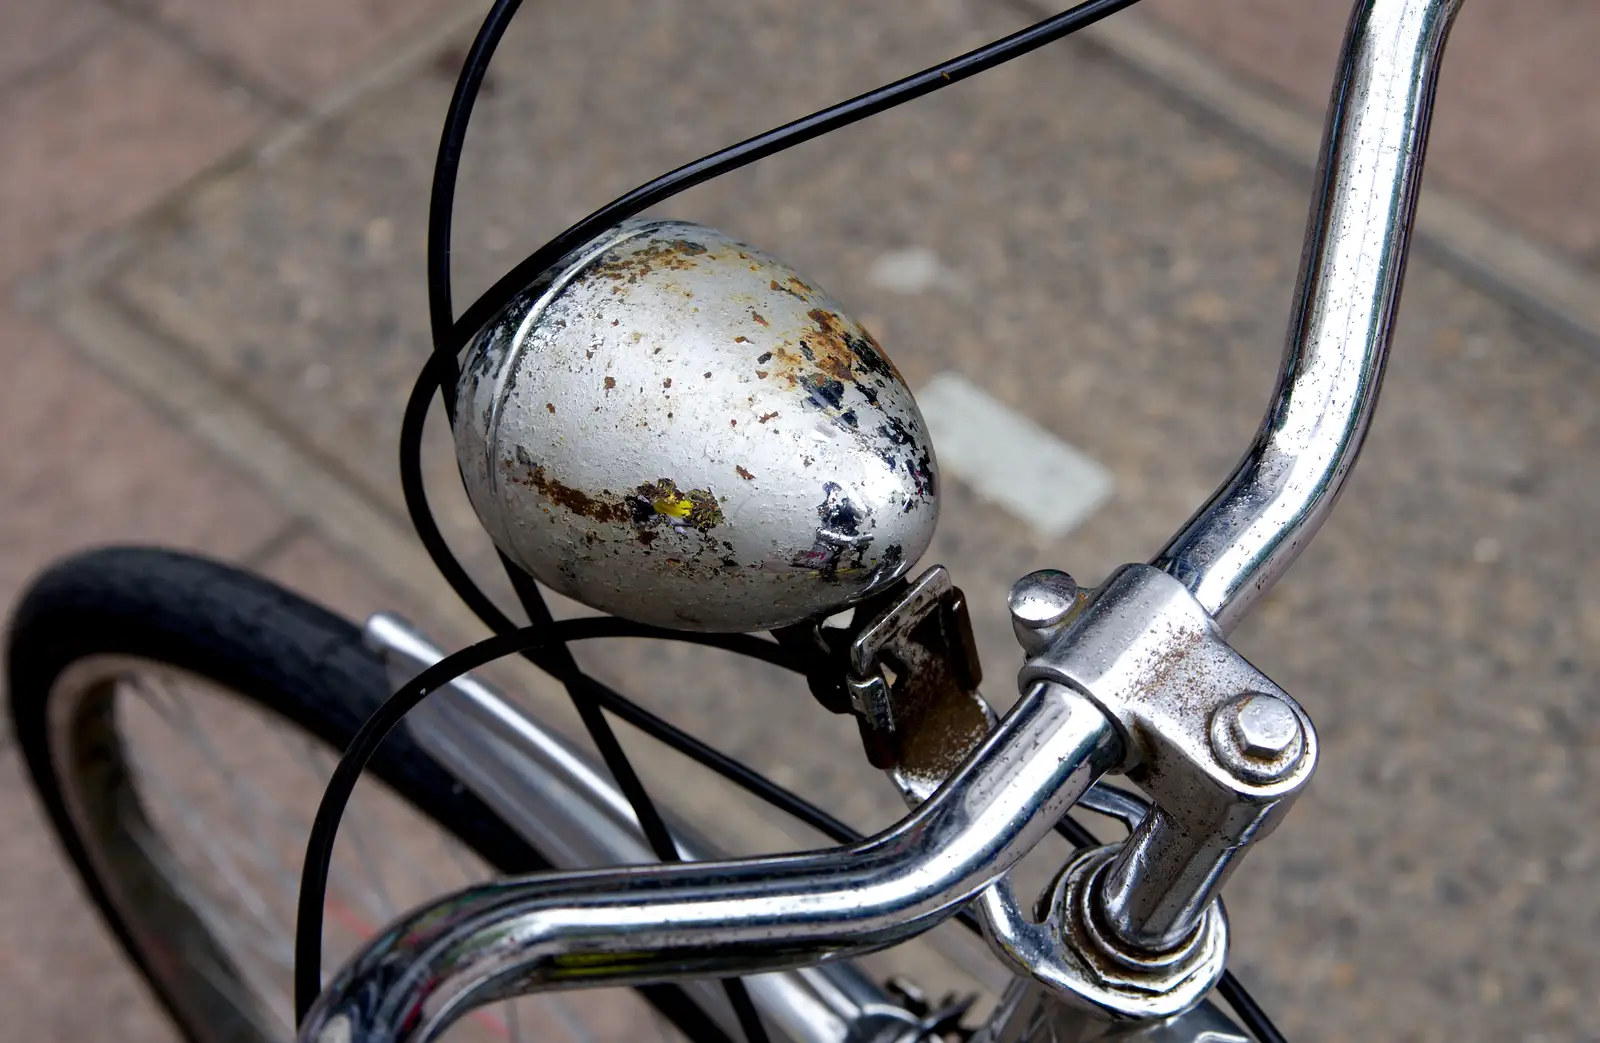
x: 738, y: 917
x: 1248, y: 534
x: 573, y: 814
x: 1029, y: 1013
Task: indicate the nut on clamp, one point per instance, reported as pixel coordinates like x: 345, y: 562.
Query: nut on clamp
x: 1136, y: 930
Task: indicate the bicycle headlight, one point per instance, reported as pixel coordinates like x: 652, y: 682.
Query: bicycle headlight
x: 677, y: 429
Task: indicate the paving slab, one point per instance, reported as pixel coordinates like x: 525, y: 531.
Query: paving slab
x: 110, y: 468
x: 1120, y: 274
x: 104, y: 116
x: 86, y: 464
x: 296, y: 50
x: 90, y: 143
x: 1518, y: 125
x: 35, y: 33
x: 63, y: 975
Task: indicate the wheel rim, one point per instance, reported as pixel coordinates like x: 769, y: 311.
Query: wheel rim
x: 160, y: 772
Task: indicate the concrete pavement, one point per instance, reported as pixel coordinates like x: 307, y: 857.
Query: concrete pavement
x: 220, y: 207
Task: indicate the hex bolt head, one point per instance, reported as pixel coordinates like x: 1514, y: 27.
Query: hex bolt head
x: 1039, y: 602
x: 1258, y: 736
x: 1264, y: 726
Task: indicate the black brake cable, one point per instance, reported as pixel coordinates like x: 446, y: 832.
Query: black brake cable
x: 439, y: 374
x: 560, y: 664
x: 341, y: 785
x: 750, y: 150
x: 442, y: 192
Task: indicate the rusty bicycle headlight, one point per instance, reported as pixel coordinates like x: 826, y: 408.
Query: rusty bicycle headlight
x: 677, y: 429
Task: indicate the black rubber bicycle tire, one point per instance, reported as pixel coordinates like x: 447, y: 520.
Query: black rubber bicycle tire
x: 273, y: 647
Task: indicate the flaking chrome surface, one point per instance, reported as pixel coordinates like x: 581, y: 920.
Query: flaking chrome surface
x: 681, y: 430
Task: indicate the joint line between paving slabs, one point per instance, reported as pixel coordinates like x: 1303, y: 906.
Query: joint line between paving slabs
x: 1460, y: 234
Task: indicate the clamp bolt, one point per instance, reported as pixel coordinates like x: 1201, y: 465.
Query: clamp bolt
x: 1039, y: 602
x: 1258, y: 737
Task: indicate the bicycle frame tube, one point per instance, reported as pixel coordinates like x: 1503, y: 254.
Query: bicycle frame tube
x: 753, y: 915
x: 1248, y: 534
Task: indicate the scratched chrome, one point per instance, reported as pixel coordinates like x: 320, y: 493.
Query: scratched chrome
x: 1246, y: 536
x: 1068, y: 953
x: 711, y: 919
x: 571, y: 811
x: 678, y: 429
x: 1148, y: 654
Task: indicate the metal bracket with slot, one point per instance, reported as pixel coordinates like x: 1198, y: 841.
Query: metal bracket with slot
x: 913, y: 683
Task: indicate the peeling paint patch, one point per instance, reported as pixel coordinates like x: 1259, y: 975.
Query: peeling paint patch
x: 839, y: 545
x: 826, y: 393
x: 846, y: 480
x: 649, y: 507
x: 628, y: 263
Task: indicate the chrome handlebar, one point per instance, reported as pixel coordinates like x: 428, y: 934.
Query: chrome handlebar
x: 738, y: 917
x: 657, y: 922
x: 1248, y: 534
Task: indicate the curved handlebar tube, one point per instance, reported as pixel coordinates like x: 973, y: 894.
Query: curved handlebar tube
x: 1248, y: 534
x: 719, y: 918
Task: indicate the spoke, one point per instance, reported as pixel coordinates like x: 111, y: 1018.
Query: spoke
x: 273, y: 945
x: 181, y: 717
x: 318, y: 760
x: 386, y: 908
x: 157, y: 698
x: 238, y: 793
x: 262, y: 944
x: 213, y: 852
x: 569, y: 1021
x: 265, y: 994
x: 321, y: 760
x: 267, y: 979
x: 271, y: 951
x: 174, y: 708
